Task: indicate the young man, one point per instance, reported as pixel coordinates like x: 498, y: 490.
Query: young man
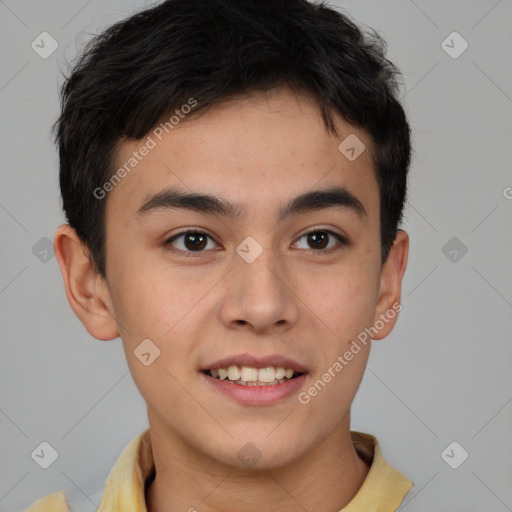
x: 233, y: 173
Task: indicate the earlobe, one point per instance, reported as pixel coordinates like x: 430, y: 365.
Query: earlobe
x: 86, y: 290
x: 393, y: 269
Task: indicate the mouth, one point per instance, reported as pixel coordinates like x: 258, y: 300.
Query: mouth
x: 256, y: 380
x: 253, y: 376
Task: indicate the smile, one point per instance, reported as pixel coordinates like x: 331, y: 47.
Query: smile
x: 251, y: 376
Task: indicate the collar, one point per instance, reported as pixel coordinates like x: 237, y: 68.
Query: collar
x: 382, y: 491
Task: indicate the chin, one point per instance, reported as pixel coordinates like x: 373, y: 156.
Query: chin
x: 260, y: 452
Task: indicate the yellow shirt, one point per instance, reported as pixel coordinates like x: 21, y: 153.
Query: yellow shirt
x: 382, y: 491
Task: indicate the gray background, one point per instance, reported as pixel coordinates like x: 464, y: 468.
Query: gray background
x: 443, y: 375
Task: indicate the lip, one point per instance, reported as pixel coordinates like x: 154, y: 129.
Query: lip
x: 256, y: 395
x: 246, y: 359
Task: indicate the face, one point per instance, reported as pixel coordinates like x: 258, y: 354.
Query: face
x: 261, y: 283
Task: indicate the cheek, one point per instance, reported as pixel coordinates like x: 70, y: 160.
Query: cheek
x: 343, y: 300
x: 150, y: 309
x: 148, y: 300
x: 349, y: 303
x: 150, y: 303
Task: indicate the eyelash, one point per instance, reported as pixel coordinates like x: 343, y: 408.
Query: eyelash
x: 341, y: 239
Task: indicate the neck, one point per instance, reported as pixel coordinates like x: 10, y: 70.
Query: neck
x: 324, y: 479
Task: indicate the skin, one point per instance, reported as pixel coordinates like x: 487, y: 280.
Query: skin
x: 259, y: 151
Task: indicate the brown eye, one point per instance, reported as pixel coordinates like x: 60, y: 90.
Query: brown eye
x: 319, y: 239
x: 189, y: 241
x: 194, y: 241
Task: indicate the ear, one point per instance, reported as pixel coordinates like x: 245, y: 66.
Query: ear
x: 393, y: 269
x: 86, y: 290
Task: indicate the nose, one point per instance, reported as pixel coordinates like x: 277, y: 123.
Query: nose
x: 259, y: 296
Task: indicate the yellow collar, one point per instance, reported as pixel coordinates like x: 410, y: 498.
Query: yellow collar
x: 382, y: 491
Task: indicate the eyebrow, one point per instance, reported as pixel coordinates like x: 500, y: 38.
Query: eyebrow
x: 171, y: 198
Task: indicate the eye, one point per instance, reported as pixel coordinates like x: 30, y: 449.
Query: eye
x: 194, y: 241
x: 190, y: 241
x: 319, y: 240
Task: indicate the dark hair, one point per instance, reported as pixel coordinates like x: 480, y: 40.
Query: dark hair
x: 129, y: 78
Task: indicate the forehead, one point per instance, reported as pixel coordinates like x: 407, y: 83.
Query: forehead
x: 265, y: 147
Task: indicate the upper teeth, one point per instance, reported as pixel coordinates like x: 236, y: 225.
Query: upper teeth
x: 251, y: 374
